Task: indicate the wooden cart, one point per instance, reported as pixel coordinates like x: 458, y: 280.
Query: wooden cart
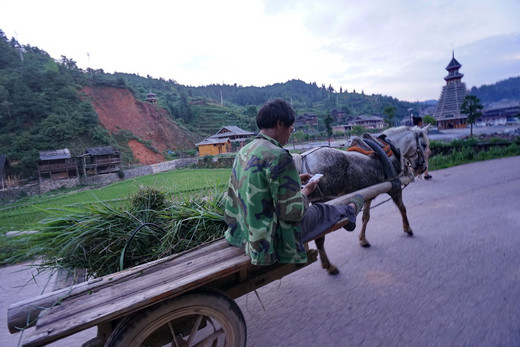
x: 181, y: 300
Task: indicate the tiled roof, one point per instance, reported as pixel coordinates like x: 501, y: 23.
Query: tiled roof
x: 363, y: 117
x: 454, y: 64
x: 212, y: 141
x: 100, y: 151
x: 230, y: 130
x: 55, y: 154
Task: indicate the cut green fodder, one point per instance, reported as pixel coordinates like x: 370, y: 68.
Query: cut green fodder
x: 103, y: 239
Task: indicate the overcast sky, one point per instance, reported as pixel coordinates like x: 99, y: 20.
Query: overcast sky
x: 389, y: 47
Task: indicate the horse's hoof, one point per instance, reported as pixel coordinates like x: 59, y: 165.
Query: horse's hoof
x: 333, y: 270
x: 364, y: 244
x: 409, y: 233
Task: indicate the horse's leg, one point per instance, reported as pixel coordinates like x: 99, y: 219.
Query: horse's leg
x: 325, y: 263
x: 366, y: 217
x: 398, y: 200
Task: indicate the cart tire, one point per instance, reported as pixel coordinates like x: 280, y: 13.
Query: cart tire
x: 201, y: 318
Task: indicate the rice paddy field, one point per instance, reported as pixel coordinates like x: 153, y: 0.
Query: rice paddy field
x: 25, y: 214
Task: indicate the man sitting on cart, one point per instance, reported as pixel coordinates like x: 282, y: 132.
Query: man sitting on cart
x: 267, y: 211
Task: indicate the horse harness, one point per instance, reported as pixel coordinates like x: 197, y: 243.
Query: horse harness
x: 418, y: 148
x: 379, y: 147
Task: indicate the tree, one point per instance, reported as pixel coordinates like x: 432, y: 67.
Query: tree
x: 427, y: 119
x: 328, y: 125
x: 184, y: 109
x: 358, y: 130
x: 472, y: 107
x: 297, y: 136
x: 251, y: 111
x: 390, y: 114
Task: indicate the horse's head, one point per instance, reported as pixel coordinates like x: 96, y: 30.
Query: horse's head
x: 422, y: 145
x: 413, y: 144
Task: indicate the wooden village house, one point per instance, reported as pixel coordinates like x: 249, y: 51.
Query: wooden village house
x: 220, y: 142
x: 499, y: 115
x: 211, y: 146
x: 57, y: 164
x: 306, y: 122
x: 339, y: 115
x: 341, y: 128
x: 100, y: 160
x: 367, y: 122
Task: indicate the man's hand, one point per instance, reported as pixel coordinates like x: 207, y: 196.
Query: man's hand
x: 305, y: 178
x: 308, y: 187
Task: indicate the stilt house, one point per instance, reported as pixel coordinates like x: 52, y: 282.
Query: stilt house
x: 100, y: 160
x: 57, y: 164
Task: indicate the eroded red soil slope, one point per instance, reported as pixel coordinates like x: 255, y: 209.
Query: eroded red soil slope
x: 119, y: 110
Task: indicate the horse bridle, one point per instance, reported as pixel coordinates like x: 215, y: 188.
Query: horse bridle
x: 418, y: 150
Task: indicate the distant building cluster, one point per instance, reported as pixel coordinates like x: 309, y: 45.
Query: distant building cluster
x: 308, y: 123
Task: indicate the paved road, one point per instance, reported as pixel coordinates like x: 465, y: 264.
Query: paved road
x: 17, y: 283
x: 455, y: 283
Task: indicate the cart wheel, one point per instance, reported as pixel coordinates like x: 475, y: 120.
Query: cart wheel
x: 202, y: 318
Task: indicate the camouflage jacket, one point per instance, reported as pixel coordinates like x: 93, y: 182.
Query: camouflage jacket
x: 264, y: 204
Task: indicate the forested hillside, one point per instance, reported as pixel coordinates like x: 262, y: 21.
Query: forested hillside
x: 508, y: 89
x: 47, y: 105
x: 41, y: 108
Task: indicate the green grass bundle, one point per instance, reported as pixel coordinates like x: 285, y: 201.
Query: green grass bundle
x: 103, y: 239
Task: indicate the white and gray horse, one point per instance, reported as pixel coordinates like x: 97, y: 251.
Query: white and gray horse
x: 349, y: 171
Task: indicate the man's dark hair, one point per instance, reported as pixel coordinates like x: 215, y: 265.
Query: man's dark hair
x: 274, y: 111
x: 417, y: 120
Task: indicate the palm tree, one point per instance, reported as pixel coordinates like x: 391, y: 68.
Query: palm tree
x: 471, y: 106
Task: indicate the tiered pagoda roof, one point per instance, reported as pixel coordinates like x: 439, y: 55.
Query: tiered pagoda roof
x: 453, y: 70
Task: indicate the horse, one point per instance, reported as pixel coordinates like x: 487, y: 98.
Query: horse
x: 345, y: 172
